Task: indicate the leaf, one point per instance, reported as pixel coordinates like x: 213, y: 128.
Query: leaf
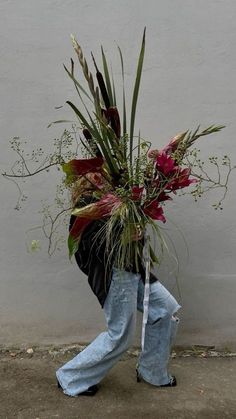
x: 75, y: 234
x: 77, y: 83
x: 113, y: 88
x: 60, y: 121
x: 80, y: 167
x: 95, y: 133
x: 123, y: 81
x: 103, y: 208
x: 107, y: 77
x: 135, y: 94
x: 153, y: 256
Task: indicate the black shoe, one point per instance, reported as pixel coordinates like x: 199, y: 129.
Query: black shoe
x: 172, y: 382
x: 138, y: 376
x: 90, y: 392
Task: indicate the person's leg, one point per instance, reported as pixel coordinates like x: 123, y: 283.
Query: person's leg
x: 160, y: 332
x: 91, y: 365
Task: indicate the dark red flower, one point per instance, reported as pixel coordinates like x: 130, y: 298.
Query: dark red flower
x: 154, y: 210
x: 180, y: 179
x: 136, y: 193
x: 163, y: 197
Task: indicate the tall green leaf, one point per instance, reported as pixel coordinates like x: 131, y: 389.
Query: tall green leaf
x: 113, y: 89
x: 95, y: 133
x: 123, y: 82
x: 135, y: 94
x: 77, y: 83
x: 107, y: 77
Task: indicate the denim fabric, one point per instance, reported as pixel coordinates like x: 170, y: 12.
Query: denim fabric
x: 124, y: 298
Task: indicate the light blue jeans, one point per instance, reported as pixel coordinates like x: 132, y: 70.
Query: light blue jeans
x: 125, y: 296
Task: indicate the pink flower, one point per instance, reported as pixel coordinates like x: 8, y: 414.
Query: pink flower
x: 164, y: 163
x: 152, y: 154
x: 173, y: 144
x: 154, y: 210
x: 96, y: 178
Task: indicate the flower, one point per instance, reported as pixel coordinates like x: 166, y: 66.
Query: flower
x: 152, y: 154
x: 154, y: 210
x: 174, y: 143
x: 100, y: 209
x: 80, y: 167
x: 136, y: 193
x: 164, y: 163
x: 163, y: 197
x: 180, y: 179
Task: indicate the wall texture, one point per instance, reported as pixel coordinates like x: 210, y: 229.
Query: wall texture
x: 189, y: 77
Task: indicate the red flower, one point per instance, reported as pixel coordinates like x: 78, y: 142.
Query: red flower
x: 180, y: 179
x: 164, y: 163
x: 163, y: 197
x: 136, y: 193
x: 154, y: 210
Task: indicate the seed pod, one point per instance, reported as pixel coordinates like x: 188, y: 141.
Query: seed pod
x: 102, y: 85
x: 114, y: 119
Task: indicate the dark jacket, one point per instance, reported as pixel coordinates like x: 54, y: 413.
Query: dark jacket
x: 92, y: 259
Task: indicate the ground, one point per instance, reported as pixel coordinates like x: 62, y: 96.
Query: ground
x: 206, y: 387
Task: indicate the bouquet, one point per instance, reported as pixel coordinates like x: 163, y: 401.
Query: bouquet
x: 120, y: 180
x: 128, y: 182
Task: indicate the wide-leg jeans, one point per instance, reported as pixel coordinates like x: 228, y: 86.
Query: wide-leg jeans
x: 125, y: 296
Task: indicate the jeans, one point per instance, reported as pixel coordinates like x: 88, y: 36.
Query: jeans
x: 125, y: 296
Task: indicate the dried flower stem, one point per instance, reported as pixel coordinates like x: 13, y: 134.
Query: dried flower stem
x: 87, y: 74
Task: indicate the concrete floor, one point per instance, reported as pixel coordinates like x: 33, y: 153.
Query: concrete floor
x: 206, y: 389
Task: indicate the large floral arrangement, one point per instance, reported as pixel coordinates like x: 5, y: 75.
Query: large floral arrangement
x: 127, y: 182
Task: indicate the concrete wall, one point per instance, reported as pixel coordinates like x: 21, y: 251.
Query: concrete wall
x: 189, y: 77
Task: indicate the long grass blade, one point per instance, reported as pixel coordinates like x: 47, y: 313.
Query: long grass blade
x: 107, y: 77
x: 123, y: 82
x: 60, y: 121
x: 113, y: 88
x: 135, y: 94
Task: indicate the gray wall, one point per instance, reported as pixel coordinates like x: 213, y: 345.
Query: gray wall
x: 189, y: 77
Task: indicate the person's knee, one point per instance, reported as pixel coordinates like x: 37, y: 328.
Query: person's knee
x: 167, y: 310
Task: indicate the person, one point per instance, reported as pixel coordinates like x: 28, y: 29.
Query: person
x: 121, y: 294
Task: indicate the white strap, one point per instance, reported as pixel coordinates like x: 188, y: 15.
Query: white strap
x: 146, y: 254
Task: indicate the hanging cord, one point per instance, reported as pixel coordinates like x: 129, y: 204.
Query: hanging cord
x: 146, y: 255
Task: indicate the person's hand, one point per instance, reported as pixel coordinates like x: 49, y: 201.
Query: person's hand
x: 137, y: 234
